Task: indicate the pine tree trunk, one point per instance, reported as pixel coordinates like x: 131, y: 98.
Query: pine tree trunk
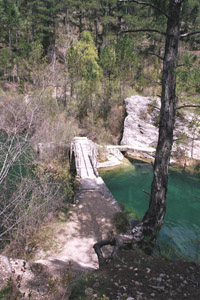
x: 154, y: 216
x: 146, y: 231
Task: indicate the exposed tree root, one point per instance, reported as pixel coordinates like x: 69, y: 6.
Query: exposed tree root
x: 122, y: 241
x: 141, y: 235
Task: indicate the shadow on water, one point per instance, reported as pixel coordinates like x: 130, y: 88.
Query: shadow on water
x: 180, y: 234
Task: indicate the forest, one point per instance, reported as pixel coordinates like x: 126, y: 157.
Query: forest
x: 65, y: 69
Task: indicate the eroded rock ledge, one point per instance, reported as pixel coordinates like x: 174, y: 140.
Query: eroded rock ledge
x: 141, y: 131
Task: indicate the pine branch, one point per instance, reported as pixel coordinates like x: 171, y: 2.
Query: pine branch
x: 142, y: 30
x: 154, y: 106
x: 147, y: 4
x: 179, y: 66
x: 157, y: 55
x: 187, y: 105
x: 189, y: 34
x: 146, y: 193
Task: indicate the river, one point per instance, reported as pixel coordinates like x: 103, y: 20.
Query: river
x: 180, y: 234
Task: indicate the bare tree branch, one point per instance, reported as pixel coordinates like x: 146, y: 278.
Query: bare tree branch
x: 154, y: 106
x: 187, y: 105
x: 146, y: 193
x: 189, y: 34
x: 142, y: 30
x: 147, y: 4
x: 157, y: 55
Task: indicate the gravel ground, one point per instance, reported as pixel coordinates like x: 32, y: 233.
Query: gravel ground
x: 136, y: 276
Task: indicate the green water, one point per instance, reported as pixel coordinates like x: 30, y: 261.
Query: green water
x: 180, y: 234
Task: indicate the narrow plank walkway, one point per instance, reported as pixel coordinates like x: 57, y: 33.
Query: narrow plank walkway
x: 85, y: 156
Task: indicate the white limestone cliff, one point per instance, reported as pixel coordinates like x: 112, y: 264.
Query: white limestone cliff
x: 141, y: 129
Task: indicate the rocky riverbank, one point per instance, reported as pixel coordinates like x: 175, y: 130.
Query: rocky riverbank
x: 141, y: 131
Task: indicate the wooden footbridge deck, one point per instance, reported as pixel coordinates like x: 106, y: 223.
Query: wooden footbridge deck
x: 83, y: 157
x: 83, y: 160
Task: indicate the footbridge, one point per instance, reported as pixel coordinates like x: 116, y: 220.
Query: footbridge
x: 83, y: 158
x: 84, y: 152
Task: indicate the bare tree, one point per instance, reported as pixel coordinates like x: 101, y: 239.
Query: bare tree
x: 26, y: 198
x: 16, y: 128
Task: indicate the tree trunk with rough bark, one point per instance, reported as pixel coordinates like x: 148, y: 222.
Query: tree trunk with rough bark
x: 154, y: 216
x: 147, y: 230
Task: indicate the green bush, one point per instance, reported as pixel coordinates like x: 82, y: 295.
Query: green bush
x: 121, y: 222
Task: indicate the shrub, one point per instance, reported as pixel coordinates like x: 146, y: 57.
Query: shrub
x: 121, y: 222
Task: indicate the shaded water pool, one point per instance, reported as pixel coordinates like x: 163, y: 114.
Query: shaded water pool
x: 180, y: 234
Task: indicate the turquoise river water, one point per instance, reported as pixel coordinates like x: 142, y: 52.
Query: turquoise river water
x: 180, y: 234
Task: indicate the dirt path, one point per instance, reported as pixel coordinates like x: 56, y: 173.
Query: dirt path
x: 89, y: 220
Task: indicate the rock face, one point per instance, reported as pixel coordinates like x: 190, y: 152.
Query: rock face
x: 141, y: 129
x: 109, y: 156
x: 5, y: 271
x: 139, y: 125
x: 19, y: 279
